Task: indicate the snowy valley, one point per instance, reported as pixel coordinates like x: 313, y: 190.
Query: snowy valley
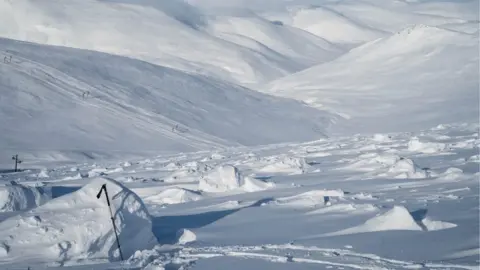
x: 301, y: 134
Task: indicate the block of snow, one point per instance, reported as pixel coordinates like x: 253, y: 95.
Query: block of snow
x: 185, y: 236
x: 381, y: 138
x: 43, y: 174
x: 18, y: 197
x: 406, y: 168
x: 415, y: 145
x: 227, y: 178
x: 310, y: 198
x: 174, y: 196
x: 286, y: 164
x: 78, y: 226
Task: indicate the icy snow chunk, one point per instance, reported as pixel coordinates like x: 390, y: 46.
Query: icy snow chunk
x: 415, y: 145
x: 227, y: 178
x: 433, y: 225
x: 78, y: 226
x: 18, y: 197
x: 381, y: 138
x: 174, y: 196
x: 310, y: 198
x: 126, y: 164
x: 406, y: 168
x: 43, y: 174
x: 217, y: 156
x: 97, y: 172
x: 185, y: 236
x: 286, y: 164
x: 78, y: 176
x: 474, y: 158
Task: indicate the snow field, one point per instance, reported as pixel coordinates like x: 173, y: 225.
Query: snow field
x: 354, y: 194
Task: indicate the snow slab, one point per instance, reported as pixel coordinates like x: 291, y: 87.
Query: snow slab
x: 229, y: 178
x: 18, y: 197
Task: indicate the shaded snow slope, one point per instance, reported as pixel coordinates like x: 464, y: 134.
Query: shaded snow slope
x: 78, y: 226
x: 418, y: 77
x: 133, y: 105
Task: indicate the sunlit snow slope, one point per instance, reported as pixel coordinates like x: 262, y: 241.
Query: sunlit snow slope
x: 419, y: 76
x: 133, y: 105
x: 170, y: 33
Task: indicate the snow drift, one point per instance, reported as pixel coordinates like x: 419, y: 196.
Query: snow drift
x: 228, y: 178
x: 310, y: 199
x: 174, y: 196
x: 285, y: 164
x: 78, y: 226
x: 395, y: 219
x: 17, y: 197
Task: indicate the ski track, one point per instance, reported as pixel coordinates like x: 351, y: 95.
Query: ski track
x: 344, y: 258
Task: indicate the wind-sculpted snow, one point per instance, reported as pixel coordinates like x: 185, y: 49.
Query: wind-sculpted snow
x: 356, y: 192
x: 78, y: 226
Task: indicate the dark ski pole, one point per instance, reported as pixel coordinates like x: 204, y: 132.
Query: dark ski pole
x: 104, y: 187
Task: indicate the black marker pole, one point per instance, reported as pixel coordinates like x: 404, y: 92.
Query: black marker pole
x: 104, y: 187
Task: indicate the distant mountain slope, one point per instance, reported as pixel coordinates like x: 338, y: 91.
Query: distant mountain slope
x: 133, y: 105
x: 169, y: 33
x: 419, y: 76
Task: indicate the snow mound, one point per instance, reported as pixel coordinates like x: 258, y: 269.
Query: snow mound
x: 406, y: 168
x: 189, y: 172
x: 185, y: 236
x: 309, y: 199
x: 78, y: 226
x: 433, y: 225
x: 227, y: 177
x: 381, y: 138
x: 395, y: 219
x: 452, y: 173
x: 174, y: 196
x: 18, y: 197
x: 43, y: 174
x: 415, y: 145
x: 286, y: 164
x: 372, y: 161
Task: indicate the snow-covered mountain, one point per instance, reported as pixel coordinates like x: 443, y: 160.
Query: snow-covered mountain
x: 418, y: 76
x: 169, y: 33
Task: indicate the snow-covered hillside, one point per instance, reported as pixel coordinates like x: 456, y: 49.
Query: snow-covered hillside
x: 133, y: 105
x: 418, y: 76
